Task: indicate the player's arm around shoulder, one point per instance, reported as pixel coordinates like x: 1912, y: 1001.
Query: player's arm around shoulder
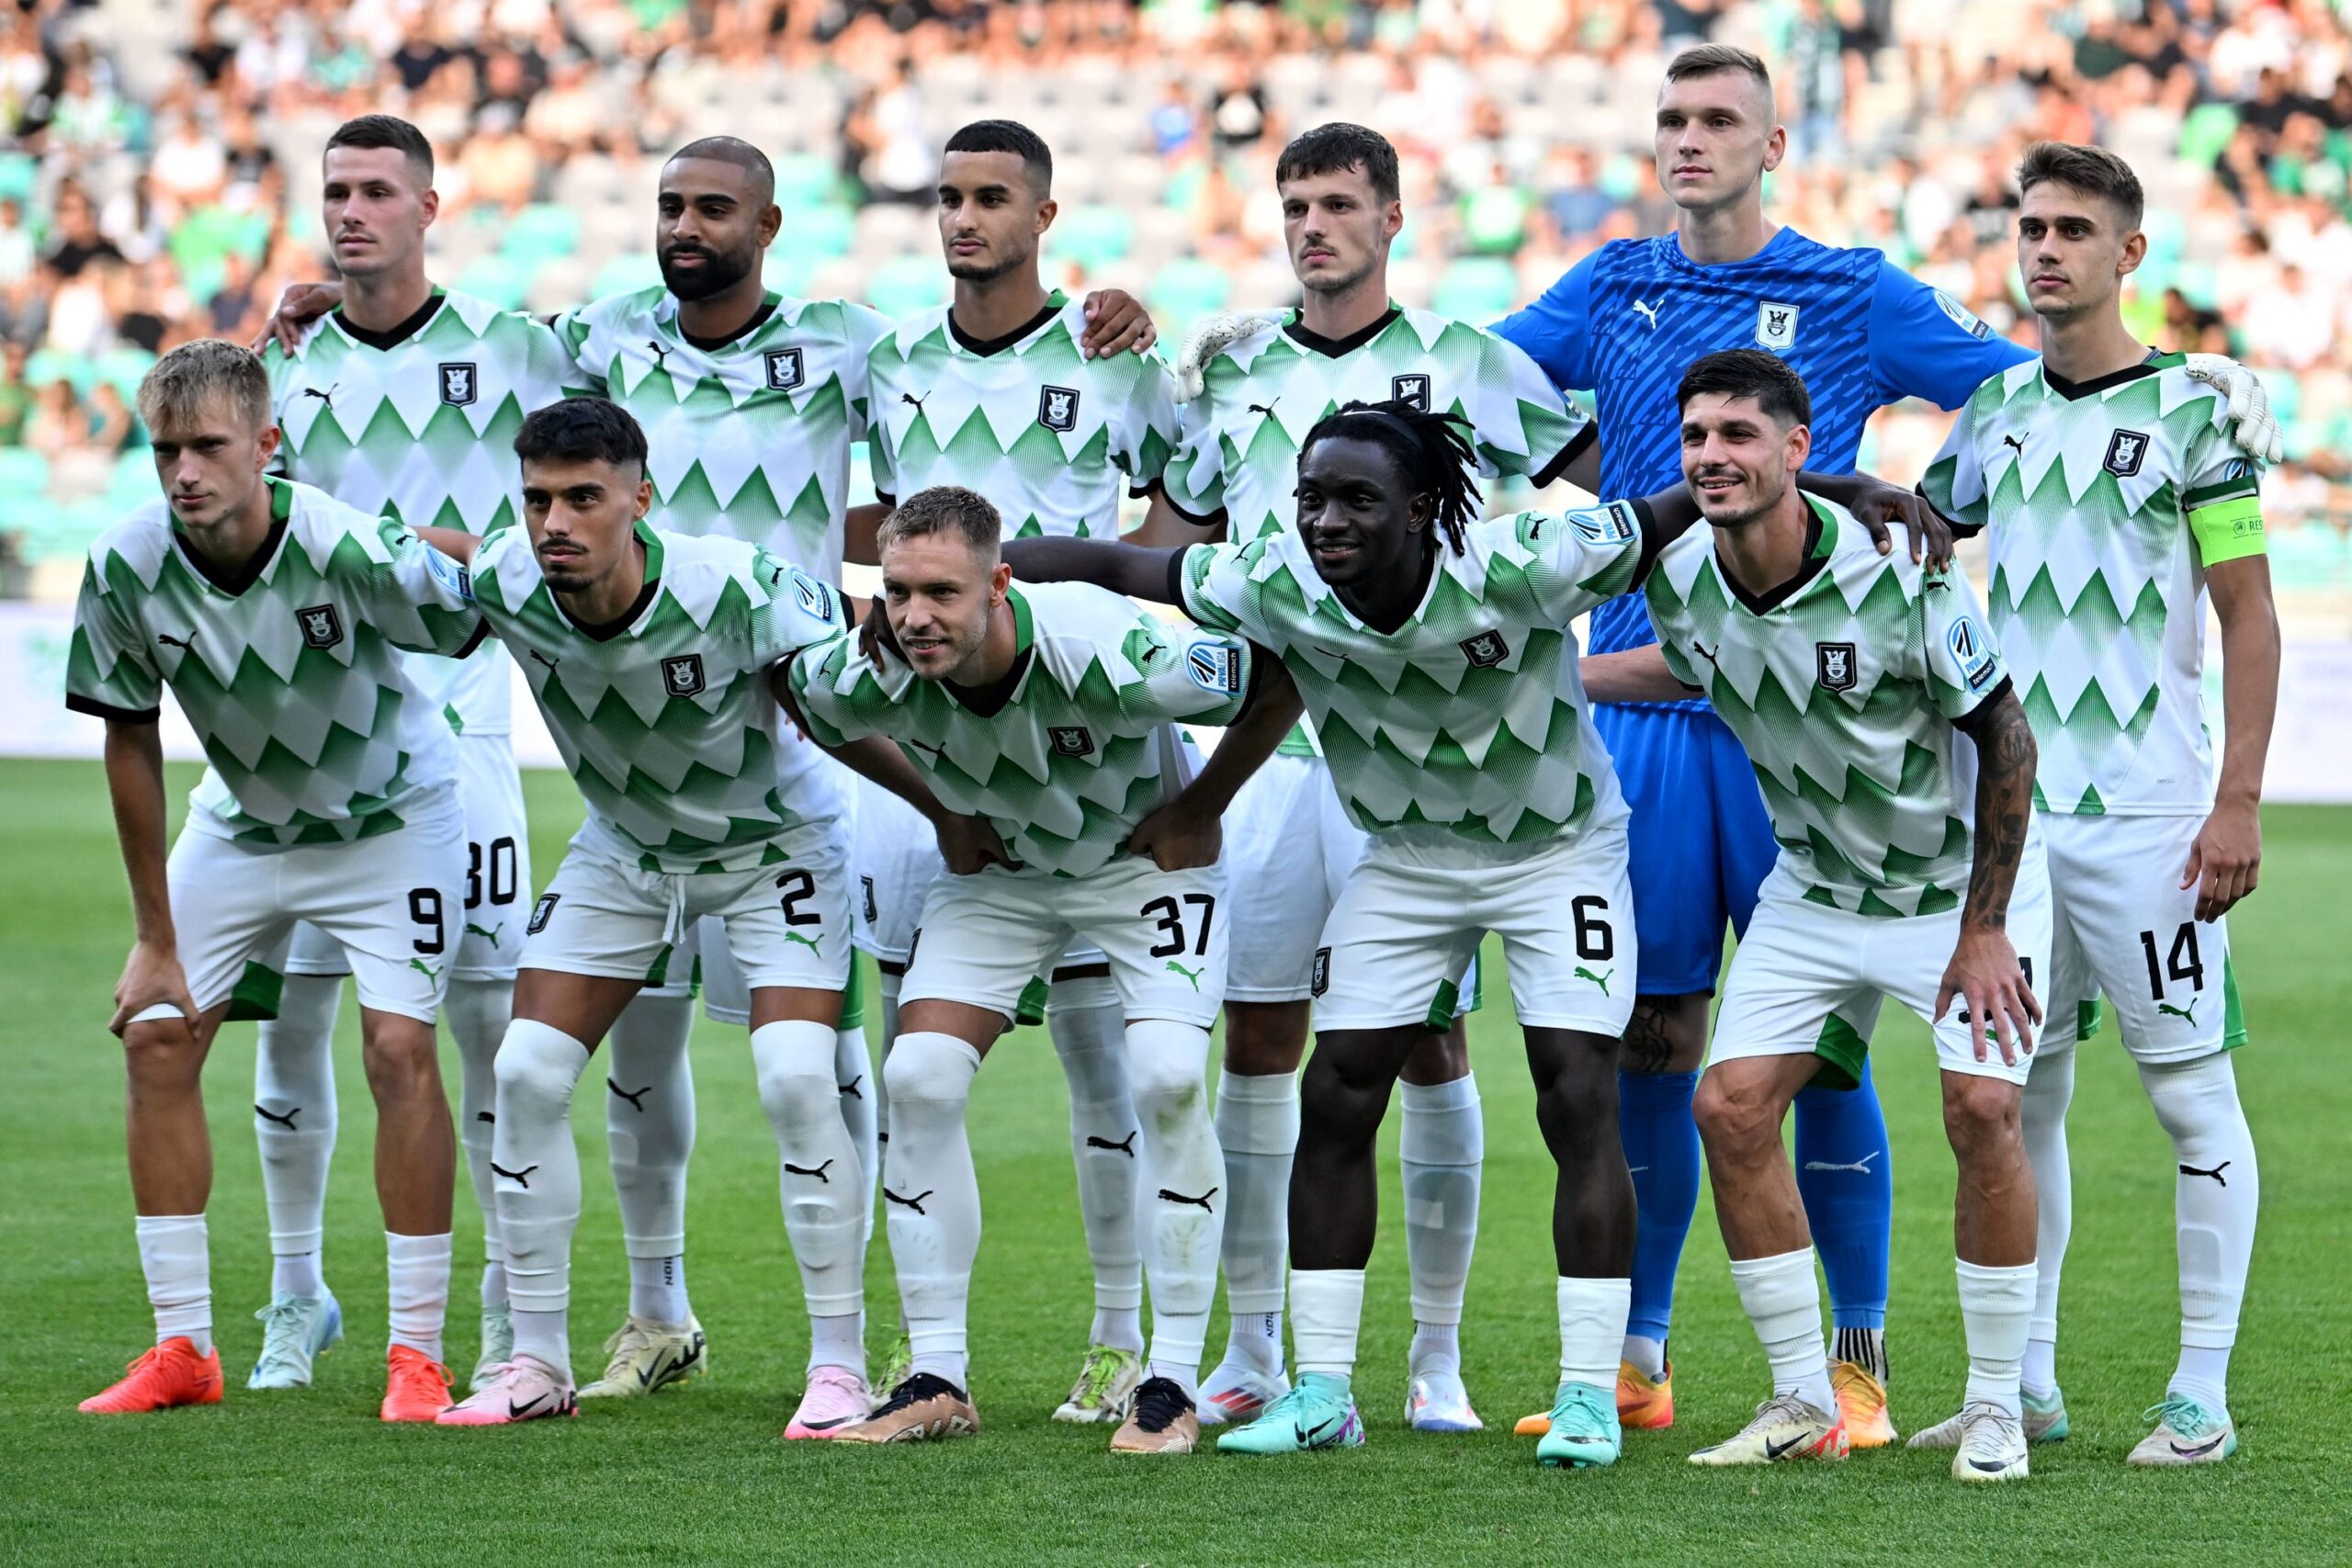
x: 421, y: 594
x: 1139, y: 571
x: 1187, y: 832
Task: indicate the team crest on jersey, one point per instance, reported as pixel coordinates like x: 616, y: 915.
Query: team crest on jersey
x: 1413, y: 389
x: 1057, y: 408
x: 1320, y: 980
x: 1600, y: 525
x: 786, y: 368
x: 1776, y: 326
x: 321, y: 626
x: 681, y: 675
x: 1487, y: 649
x: 2126, y: 450
x: 1971, y: 650
x: 1834, y: 663
x: 872, y: 913
x: 539, y: 913
x: 1214, y: 667
x: 1071, y: 740
x: 459, y: 383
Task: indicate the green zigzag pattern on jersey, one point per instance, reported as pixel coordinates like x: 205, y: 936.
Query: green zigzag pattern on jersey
x: 328, y: 443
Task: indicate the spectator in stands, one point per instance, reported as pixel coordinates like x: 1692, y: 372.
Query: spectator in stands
x: 78, y: 244
x: 18, y: 254
x: 15, y: 397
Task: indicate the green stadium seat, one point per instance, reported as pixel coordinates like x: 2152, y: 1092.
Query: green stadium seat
x: 904, y: 285
x: 2205, y: 132
x: 23, y: 473
x: 1094, y: 237
x: 19, y: 172
x: 497, y: 278
x: 47, y: 365
x: 123, y: 368
x: 804, y: 180
x: 1186, y: 289
x: 2308, y: 556
x: 540, y: 232
x: 1476, y: 288
x: 626, y: 274
x: 815, y: 234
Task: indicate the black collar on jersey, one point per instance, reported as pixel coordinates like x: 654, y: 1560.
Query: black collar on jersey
x: 645, y: 595
x: 234, y: 581
x: 1820, y: 544
x: 2072, y: 391
x: 1056, y: 302
x: 1332, y: 347
x: 396, y: 335
x: 713, y: 344
x: 987, y: 702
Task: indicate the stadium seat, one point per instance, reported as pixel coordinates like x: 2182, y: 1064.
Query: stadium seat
x: 804, y: 180
x: 497, y: 278
x: 1093, y: 237
x: 814, y: 234
x: 2206, y: 130
x: 540, y: 232
x: 626, y: 273
x: 1476, y: 288
x: 1184, y: 290
x: 907, y: 283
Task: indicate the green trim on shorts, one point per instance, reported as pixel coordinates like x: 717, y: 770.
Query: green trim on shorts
x: 853, y: 996
x: 1843, y: 1052
x: 2233, y: 1010
x: 256, y: 996
x: 1440, y: 1020
x: 660, y: 974
x: 1029, y: 1010
x: 2090, y: 1016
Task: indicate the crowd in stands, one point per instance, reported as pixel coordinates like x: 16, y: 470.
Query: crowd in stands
x: 158, y: 165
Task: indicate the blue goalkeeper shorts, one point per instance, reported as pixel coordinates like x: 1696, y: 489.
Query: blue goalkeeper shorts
x: 1701, y: 840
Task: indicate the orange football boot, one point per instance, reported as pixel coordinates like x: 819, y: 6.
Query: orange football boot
x: 1641, y: 1403
x: 1862, y: 1399
x: 170, y: 1374
x: 416, y: 1387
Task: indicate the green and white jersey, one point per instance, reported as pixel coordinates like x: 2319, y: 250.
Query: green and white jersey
x: 1044, y: 433
x: 1471, y: 717
x: 750, y: 438
x: 1076, y: 747
x: 1843, y: 687
x: 2107, y: 502
x: 287, y: 672
x: 665, y: 717
x: 418, y: 424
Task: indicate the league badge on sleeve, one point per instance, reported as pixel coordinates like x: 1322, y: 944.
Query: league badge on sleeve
x: 785, y: 369
x: 1602, y: 524
x: 1776, y: 326
x: 1834, y: 663
x: 1971, y: 650
x: 459, y: 383
x: 1964, y: 317
x: 1214, y: 667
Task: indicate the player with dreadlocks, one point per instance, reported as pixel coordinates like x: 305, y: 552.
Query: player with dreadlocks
x: 1435, y: 655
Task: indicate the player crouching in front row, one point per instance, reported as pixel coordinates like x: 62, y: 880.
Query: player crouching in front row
x: 1038, y: 731
x: 1845, y: 674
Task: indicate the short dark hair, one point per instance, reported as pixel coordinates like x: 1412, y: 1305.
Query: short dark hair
x: 1335, y: 148
x: 736, y: 151
x: 1008, y: 136
x: 1712, y: 59
x: 946, y: 509
x: 386, y: 131
x: 580, y: 430
x: 1750, y: 373
x: 2094, y: 171
x: 1432, y: 450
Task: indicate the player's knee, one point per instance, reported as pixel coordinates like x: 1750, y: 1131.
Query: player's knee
x: 1576, y: 1092
x: 1262, y: 1039
x: 1166, y: 1070
x: 927, y: 1069
x: 400, y: 1059
x: 537, y: 1067
x: 1737, y: 1114
x: 162, y: 1054
x: 1439, y: 1056
x: 1981, y: 1114
x: 1339, y: 1100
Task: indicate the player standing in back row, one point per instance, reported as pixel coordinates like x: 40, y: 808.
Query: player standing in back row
x: 2116, y: 503
x: 1626, y: 323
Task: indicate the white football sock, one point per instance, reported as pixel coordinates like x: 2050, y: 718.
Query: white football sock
x: 1089, y: 1035
x: 418, y: 1272
x: 1592, y: 1329
x: 294, y: 1124
x: 838, y: 1342
x: 174, y: 1257
x: 1168, y: 1066
x: 2216, y: 1193
x: 2049, y: 1088
x: 823, y: 1188
x: 649, y: 1136
x: 657, y: 1288
x: 861, y: 1110
x: 1440, y: 1146
x: 1783, y: 1301
x: 536, y: 1166
x: 1326, y: 1310
x: 478, y: 1012
x: 931, y: 1197
x: 1256, y: 1126
x: 1996, y: 1313
x: 1646, y: 1355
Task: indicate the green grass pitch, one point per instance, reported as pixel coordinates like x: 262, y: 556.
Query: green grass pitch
x: 699, y: 1474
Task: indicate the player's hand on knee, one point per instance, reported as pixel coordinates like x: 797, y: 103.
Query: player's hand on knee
x: 301, y: 304
x: 152, y: 977
x: 1177, y: 839
x: 1985, y: 976
x: 1116, y: 322
x: 1879, y: 506
x: 970, y: 844
x: 2225, y: 862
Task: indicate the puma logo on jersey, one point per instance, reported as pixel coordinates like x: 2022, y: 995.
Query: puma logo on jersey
x: 2215, y: 1173
x: 1265, y: 409
x: 1125, y: 1145
x: 1170, y: 1195
x: 519, y: 1177
x: 285, y: 1120
x: 812, y: 943
x: 661, y: 353
x: 2015, y: 444
x: 1649, y: 312
x: 2186, y: 1015
x: 914, y: 1203
x: 913, y: 402
x: 490, y: 935
x: 635, y: 1100
x: 421, y: 967
x: 1859, y: 1167
x: 167, y: 640
x: 1191, y: 974
x: 542, y: 658
x: 792, y: 1169
x: 326, y: 396
x: 1704, y: 651
x: 1599, y: 980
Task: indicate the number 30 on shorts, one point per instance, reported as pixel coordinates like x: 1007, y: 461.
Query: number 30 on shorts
x: 1169, y: 918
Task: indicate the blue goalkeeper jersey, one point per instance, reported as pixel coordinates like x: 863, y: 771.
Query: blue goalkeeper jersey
x: 1629, y: 319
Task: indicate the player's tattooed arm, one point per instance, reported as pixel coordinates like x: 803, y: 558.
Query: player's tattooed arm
x: 1983, y: 971
x: 153, y: 978
x: 1186, y: 832
x: 1139, y: 571
x: 2226, y: 860
x: 1635, y: 675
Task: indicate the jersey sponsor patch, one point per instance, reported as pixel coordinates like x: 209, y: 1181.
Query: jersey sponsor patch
x: 681, y: 675
x: 1070, y: 740
x: 811, y: 594
x: 1971, y: 650
x: 1602, y: 524
x: 2126, y: 450
x: 1487, y: 649
x: 1057, y: 408
x: 321, y: 626
x: 787, y: 370
x: 460, y: 383
x: 451, y: 575
x: 1964, y: 317
x: 1776, y: 326
x: 1834, y: 663
x: 1214, y: 667
x: 539, y: 913
x: 1413, y: 389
